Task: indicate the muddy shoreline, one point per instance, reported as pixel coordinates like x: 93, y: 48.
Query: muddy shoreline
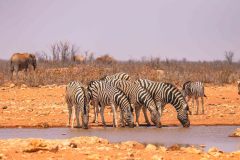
x: 96, y: 148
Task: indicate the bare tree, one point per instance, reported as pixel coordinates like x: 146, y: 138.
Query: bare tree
x: 89, y: 56
x: 63, y: 51
x: 42, y: 56
x: 229, y: 56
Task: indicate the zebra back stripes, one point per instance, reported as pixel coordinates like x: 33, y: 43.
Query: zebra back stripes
x: 139, y: 97
x: 76, y: 96
x: 104, y: 94
x: 120, y: 76
x: 164, y: 93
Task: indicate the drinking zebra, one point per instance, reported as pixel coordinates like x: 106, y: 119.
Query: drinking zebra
x: 194, y: 90
x: 140, y: 98
x: 103, y: 94
x: 76, y: 96
x: 164, y: 93
x: 120, y: 76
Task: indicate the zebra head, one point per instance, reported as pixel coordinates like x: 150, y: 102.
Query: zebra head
x: 128, y: 116
x: 183, y: 115
x: 238, y: 87
x: 85, y: 113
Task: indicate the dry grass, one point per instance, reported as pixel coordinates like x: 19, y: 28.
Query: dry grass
x: 176, y: 72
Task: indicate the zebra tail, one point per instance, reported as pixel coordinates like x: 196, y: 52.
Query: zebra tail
x: 85, y: 99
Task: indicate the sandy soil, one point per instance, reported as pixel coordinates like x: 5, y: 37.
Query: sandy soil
x: 45, y: 107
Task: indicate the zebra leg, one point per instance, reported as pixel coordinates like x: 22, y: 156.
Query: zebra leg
x: 202, y: 105
x: 137, y: 111
x: 102, y: 115
x: 115, y: 123
x: 193, y: 104
x: 73, y: 118
x: 77, y: 110
x: 160, y: 108
x: 144, y: 109
x: 96, y: 111
x: 189, y: 111
x: 69, y: 114
x: 197, y: 101
x: 122, y: 119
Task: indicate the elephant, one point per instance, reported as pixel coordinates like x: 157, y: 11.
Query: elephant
x: 22, y: 61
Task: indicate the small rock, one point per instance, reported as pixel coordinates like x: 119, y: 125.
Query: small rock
x: 12, y: 85
x: 174, y: 148
x: 215, y: 152
x: 23, y: 86
x: 151, y: 147
x: 236, y: 133
x: 133, y: 144
x: 214, y: 149
x: 236, y: 153
x: 73, y: 145
x: 40, y: 145
x: 192, y: 150
x: 2, y: 156
x: 4, y: 107
x: 130, y: 154
x: 163, y: 149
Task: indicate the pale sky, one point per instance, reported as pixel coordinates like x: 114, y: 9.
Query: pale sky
x: 126, y: 29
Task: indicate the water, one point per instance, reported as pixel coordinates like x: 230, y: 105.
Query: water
x: 195, y: 135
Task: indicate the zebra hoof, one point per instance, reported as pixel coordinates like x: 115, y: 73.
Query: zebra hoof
x: 148, y: 124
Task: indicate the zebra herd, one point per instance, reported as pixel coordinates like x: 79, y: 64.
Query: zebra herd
x: 120, y: 91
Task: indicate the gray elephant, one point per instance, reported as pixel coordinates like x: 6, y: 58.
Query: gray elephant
x: 22, y: 61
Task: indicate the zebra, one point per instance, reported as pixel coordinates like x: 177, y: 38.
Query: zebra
x: 76, y: 95
x: 194, y: 90
x: 138, y: 97
x: 238, y: 82
x: 103, y: 94
x: 120, y: 76
x: 164, y: 93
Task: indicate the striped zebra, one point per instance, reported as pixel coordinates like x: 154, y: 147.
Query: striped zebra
x: 103, y: 94
x: 140, y: 98
x: 76, y: 95
x: 238, y: 82
x: 120, y: 76
x: 194, y: 90
x: 164, y: 93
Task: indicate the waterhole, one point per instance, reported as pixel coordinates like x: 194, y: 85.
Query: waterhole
x: 207, y: 136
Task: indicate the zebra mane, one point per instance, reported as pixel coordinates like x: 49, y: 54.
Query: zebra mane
x: 184, y: 85
x: 103, y: 78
